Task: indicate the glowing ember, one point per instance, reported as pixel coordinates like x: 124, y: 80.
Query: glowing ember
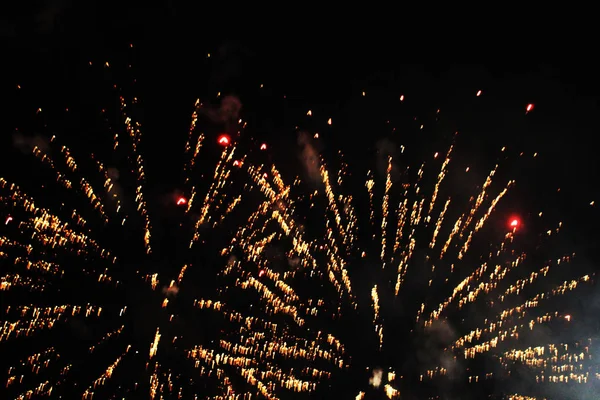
x: 181, y: 201
x: 224, y: 140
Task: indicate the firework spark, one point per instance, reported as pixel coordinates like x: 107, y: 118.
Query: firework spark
x: 270, y: 324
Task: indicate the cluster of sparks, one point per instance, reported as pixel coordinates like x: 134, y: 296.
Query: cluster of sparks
x: 274, y: 343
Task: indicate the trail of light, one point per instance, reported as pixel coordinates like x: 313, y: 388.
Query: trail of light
x: 441, y: 176
x: 376, y: 322
x: 109, y: 185
x: 438, y: 224
x: 85, y: 187
x: 275, y: 303
x: 520, y: 312
x: 482, y: 221
x: 35, y: 319
x: 369, y: 185
x: 154, y: 344
x: 479, y: 201
x: 401, y: 213
x: 287, y: 223
x: 88, y: 394
x: 384, y: 210
x: 520, y: 284
x: 35, y: 363
x: 188, y: 145
x: 471, y: 281
x: 221, y: 173
x: 554, y: 362
x: 109, y: 335
x: 331, y: 200
x: 133, y: 128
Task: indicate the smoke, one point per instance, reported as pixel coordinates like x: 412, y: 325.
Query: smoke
x: 26, y: 144
x: 309, y: 156
x: 114, y: 175
x: 170, y: 291
x: 376, y: 379
x: 431, y: 350
x: 232, y: 260
x: 227, y: 113
x: 386, y: 148
x: 294, y: 262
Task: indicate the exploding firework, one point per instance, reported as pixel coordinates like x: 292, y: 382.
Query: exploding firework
x: 281, y: 286
x: 218, y: 317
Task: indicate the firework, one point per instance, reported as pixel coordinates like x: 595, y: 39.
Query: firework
x: 83, y: 280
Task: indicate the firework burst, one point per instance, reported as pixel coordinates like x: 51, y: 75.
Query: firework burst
x: 276, y: 277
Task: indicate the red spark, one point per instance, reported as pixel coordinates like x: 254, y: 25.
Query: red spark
x: 261, y: 273
x: 8, y: 219
x: 529, y: 107
x: 181, y: 201
x: 514, y: 223
x: 224, y: 140
x: 263, y: 146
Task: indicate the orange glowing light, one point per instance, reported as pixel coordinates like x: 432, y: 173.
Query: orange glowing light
x: 224, y: 140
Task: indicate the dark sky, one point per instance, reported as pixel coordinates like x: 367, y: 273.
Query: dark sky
x: 48, y: 48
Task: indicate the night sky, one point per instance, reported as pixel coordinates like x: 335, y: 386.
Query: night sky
x: 67, y: 55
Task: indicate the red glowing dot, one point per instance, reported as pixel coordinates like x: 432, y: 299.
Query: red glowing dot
x: 181, y: 201
x: 529, y: 107
x: 8, y: 220
x: 236, y: 163
x: 261, y: 273
x: 263, y: 146
x: 514, y: 222
x: 223, y: 140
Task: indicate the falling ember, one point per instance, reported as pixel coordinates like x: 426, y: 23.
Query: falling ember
x: 529, y: 107
x: 402, y: 98
x: 236, y: 163
x: 261, y: 273
x: 8, y: 219
x: 478, y: 93
x: 263, y: 146
x: 514, y: 223
x: 181, y: 201
x: 329, y: 121
x: 224, y: 140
